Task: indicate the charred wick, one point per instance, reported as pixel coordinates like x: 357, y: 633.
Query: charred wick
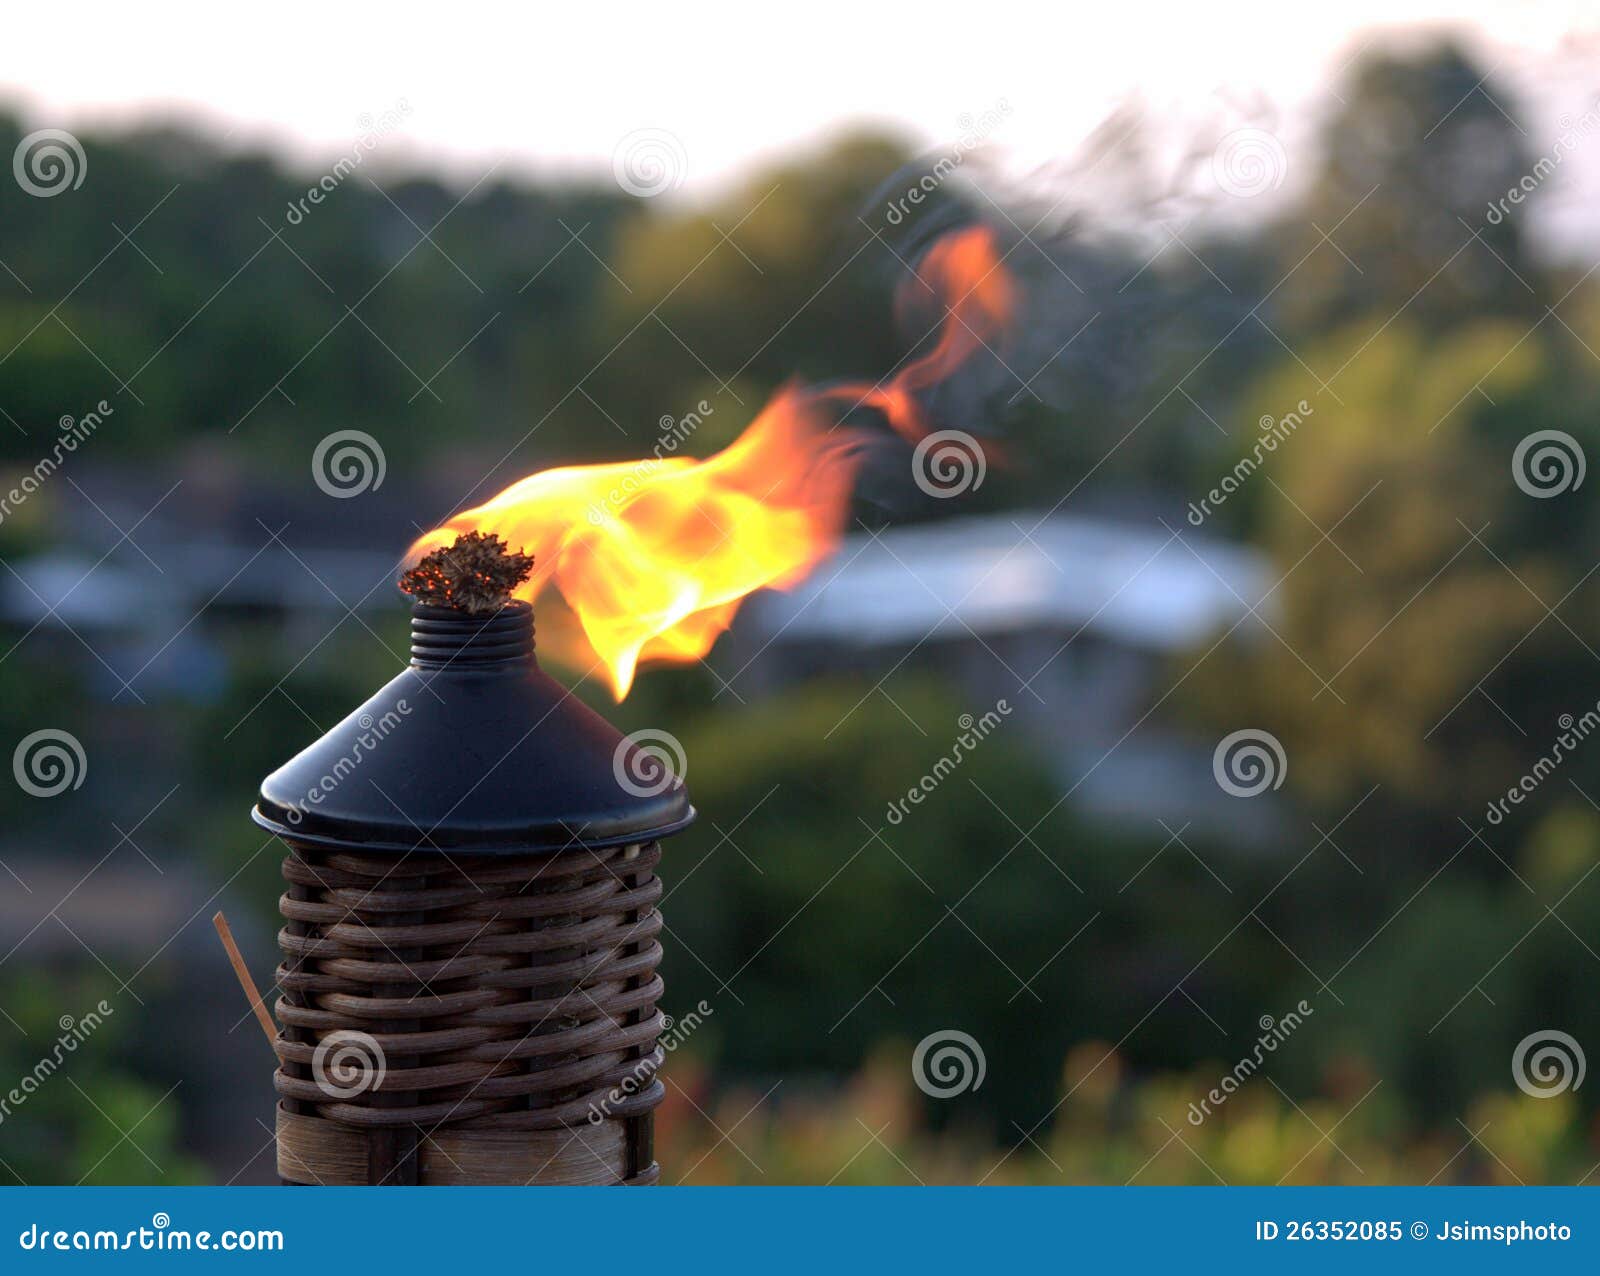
x: 476, y: 575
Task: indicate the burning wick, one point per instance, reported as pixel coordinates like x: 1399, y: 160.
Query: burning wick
x: 652, y: 558
x: 475, y: 575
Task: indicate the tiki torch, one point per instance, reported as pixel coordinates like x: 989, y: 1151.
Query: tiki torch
x: 470, y: 940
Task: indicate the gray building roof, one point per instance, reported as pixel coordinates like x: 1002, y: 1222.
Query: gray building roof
x: 1138, y: 584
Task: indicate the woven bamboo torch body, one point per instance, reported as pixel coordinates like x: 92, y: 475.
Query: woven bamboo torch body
x: 469, y: 983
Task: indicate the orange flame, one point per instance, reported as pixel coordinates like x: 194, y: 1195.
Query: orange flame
x: 653, y: 557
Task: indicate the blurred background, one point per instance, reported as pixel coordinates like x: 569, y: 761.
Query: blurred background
x: 1280, y: 575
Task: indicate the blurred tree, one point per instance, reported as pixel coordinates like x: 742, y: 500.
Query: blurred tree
x: 797, y: 889
x: 60, y: 1045
x: 1411, y: 160
x: 1408, y: 635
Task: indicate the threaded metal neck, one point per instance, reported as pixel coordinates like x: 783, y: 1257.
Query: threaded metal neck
x: 443, y: 636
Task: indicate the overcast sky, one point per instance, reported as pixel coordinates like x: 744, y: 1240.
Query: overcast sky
x: 542, y: 88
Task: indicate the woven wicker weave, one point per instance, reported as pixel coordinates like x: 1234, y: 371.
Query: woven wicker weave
x: 501, y: 1010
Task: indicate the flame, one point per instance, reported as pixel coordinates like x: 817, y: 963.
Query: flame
x: 654, y: 557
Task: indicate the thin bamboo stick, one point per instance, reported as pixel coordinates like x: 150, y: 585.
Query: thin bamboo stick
x: 242, y: 972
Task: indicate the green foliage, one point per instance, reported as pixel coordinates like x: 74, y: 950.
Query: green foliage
x: 1434, y: 569
x: 796, y: 889
x: 73, y: 1110
x: 1106, y: 1126
x: 1411, y: 161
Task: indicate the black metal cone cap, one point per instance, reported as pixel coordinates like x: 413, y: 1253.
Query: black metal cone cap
x: 474, y: 748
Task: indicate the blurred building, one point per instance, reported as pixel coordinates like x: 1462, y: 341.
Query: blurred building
x: 1075, y: 620
x: 126, y: 555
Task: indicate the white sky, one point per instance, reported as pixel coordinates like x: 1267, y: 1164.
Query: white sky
x: 555, y: 87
